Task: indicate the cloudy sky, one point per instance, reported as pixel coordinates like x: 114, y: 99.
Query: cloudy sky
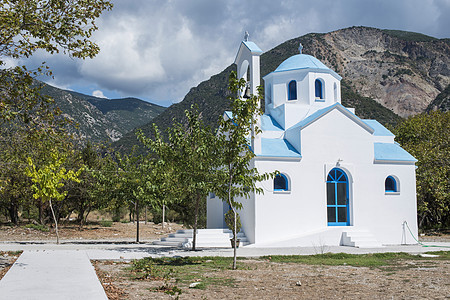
x: 157, y: 50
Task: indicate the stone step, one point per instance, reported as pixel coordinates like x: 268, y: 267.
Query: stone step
x: 205, y: 238
x: 360, y: 239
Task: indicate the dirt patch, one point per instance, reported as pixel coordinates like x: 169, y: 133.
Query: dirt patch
x: 112, y: 291
x: 116, y: 231
x: 262, y: 279
x: 7, y: 259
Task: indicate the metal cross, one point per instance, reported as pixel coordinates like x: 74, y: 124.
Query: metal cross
x: 246, y: 35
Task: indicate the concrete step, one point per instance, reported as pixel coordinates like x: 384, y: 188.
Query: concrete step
x: 359, y: 239
x: 205, y: 238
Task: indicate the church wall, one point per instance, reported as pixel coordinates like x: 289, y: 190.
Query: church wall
x: 281, y: 215
x: 214, y: 213
x: 384, y: 213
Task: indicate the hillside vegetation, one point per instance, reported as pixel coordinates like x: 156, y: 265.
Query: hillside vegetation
x: 101, y: 120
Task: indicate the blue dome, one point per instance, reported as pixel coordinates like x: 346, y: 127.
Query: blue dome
x: 301, y: 61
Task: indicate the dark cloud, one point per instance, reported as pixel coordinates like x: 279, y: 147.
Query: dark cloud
x: 159, y: 49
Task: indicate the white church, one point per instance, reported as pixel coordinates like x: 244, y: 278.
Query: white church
x: 343, y: 180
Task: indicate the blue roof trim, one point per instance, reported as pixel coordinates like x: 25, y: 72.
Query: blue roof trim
x: 252, y: 47
x: 229, y: 114
x: 391, y: 152
x: 380, y: 130
x: 269, y: 124
x: 278, y: 148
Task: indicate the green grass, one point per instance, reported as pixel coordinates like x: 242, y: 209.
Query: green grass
x: 106, y: 223
x: 37, y: 227
x: 356, y: 260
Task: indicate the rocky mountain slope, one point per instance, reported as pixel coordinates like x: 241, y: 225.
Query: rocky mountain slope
x: 387, y: 75
x: 99, y: 119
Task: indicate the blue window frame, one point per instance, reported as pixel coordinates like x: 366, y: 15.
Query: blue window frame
x: 292, y: 93
x: 337, y: 198
x: 390, y: 185
x: 319, y: 89
x: 280, y: 183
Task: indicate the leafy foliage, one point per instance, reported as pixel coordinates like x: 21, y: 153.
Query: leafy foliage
x: 236, y: 176
x: 427, y: 138
x: 49, y: 179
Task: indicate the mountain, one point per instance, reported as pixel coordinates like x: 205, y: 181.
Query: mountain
x: 101, y: 120
x: 387, y: 75
x: 441, y: 102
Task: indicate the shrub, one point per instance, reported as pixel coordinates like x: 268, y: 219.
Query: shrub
x: 105, y: 223
x: 37, y: 227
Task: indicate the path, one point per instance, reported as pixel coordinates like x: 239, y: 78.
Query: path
x: 52, y: 274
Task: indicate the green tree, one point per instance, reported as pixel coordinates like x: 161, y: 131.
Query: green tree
x: 80, y: 197
x: 26, y: 117
x: 49, y: 179
x: 427, y: 138
x: 194, y: 159
x: 50, y: 25
x: 236, y: 176
x: 161, y: 184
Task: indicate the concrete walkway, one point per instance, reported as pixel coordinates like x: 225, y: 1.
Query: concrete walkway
x: 52, y: 274
x: 49, y: 271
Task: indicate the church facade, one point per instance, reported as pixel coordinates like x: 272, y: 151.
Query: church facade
x: 342, y: 181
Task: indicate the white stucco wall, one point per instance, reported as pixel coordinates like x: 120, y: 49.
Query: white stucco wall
x: 335, y: 139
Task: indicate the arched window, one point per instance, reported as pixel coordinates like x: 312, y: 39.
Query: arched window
x: 280, y: 183
x: 319, y: 89
x: 337, y: 198
x: 292, y: 90
x: 390, y: 185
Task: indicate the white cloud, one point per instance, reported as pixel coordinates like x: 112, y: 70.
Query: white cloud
x: 98, y: 94
x: 159, y: 49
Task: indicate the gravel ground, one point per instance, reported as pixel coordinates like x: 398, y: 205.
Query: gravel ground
x: 117, y: 231
x: 259, y: 279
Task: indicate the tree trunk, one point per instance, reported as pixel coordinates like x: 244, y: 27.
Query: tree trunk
x: 146, y: 214
x: 197, y: 203
x: 13, y: 211
x: 163, y: 216
x: 41, y: 212
x: 234, y: 227
x: 137, y: 220
x: 56, y: 221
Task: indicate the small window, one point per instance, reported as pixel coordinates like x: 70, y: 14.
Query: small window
x: 212, y: 195
x: 280, y: 183
x: 319, y: 89
x: 292, y: 90
x: 390, y: 185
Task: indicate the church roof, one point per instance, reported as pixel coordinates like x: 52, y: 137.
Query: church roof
x: 252, y: 47
x: 380, y: 130
x: 391, y: 152
x: 269, y: 124
x: 322, y: 112
x: 278, y: 148
x: 304, y: 61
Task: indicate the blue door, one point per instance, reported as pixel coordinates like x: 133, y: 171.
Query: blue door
x: 337, y: 198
